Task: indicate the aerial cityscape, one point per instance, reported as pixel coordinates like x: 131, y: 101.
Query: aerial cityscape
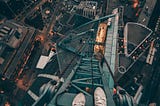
x: 79, y: 52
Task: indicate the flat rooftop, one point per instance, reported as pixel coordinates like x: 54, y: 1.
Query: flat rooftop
x: 88, y: 4
x: 14, y: 40
x: 134, y: 35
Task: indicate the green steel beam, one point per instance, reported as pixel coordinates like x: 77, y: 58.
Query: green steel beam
x: 86, y: 93
x: 64, y: 85
x: 88, y: 74
x: 85, y: 79
x: 93, y: 21
x: 84, y: 84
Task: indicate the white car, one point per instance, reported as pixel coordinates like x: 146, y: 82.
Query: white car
x: 109, y: 22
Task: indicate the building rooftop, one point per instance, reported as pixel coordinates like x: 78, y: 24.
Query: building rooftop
x: 10, y: 34
x: 88, y: 4
x: 69, y: 21
x: 134, y: 35
x: 13, y: 38
x: 146, y: 13
x: 44, y: 60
